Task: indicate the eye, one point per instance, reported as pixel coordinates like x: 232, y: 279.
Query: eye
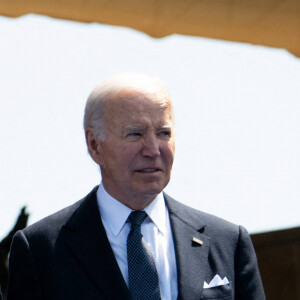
x: 165, y: 133
x: 134, y: 134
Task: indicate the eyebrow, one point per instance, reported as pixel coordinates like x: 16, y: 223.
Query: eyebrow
x: 131, y: 128
x: 165, y: 127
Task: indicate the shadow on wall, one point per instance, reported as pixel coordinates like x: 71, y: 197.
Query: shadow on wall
x: 5, y: 247
x: 278, y: 255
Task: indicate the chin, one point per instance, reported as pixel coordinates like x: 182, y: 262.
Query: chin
x: 151, y: 190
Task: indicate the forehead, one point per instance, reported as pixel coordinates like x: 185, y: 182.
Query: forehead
x: 134, y: 102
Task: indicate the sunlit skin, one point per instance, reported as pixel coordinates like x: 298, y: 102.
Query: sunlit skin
x: 137, y: 155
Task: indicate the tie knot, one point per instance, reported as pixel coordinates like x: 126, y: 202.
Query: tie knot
x: 137, y: 217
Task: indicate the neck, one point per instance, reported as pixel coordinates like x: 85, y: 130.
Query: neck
x: 134, y: 201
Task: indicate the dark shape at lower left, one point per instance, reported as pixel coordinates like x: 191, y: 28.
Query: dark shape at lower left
x: 5, y: 247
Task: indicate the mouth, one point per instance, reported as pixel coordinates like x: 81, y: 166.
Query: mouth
x: 148, y: 170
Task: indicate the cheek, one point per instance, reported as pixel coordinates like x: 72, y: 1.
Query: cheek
x: 168, y: 154
x: 127, y: 156
x: 171, y: 148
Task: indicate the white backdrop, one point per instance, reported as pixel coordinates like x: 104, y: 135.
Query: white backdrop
x: 237, y: 119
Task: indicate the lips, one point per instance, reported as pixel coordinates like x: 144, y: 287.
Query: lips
x: 148, y: 170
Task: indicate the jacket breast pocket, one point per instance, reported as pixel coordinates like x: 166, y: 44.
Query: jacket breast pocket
x: 218, y: 292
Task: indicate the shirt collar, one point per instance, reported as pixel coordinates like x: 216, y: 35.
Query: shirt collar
x: 115, y: 214
x: 157, y: 212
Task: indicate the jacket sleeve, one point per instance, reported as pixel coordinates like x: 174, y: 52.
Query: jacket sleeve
x: 248, y: 284
x: 23, y: 278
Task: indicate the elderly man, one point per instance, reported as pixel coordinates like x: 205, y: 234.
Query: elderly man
x: 127, y: 239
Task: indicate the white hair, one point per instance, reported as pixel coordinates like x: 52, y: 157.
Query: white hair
x: 94, y: 115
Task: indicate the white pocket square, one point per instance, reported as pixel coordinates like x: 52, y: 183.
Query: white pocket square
x: 216, y: 281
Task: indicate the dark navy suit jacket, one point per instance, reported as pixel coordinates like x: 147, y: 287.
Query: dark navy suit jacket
x: 68, y: 256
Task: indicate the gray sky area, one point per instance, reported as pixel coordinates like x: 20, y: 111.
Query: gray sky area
x: 236, y: 106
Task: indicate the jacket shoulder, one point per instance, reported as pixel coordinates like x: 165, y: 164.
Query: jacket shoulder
x: 50, y: 226
x: 211, y: 225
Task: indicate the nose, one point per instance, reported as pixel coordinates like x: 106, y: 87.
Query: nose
x: 151, y: 146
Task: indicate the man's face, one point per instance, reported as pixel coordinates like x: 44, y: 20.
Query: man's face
x: 137, y: 155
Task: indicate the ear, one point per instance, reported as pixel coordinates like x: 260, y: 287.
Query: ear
x: 94, y: 145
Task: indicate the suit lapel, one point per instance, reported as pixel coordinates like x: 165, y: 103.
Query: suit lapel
x: 86, y: 238
x: 191, y: 257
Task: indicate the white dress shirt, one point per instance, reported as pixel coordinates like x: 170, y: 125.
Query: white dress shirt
x: 157, y: 233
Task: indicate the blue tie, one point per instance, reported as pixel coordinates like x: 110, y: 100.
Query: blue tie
x: 143, y: 277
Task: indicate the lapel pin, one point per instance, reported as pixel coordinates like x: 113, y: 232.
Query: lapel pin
x: 195, y: 240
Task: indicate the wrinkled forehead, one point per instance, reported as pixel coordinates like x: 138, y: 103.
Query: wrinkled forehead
x: 139, y: 99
